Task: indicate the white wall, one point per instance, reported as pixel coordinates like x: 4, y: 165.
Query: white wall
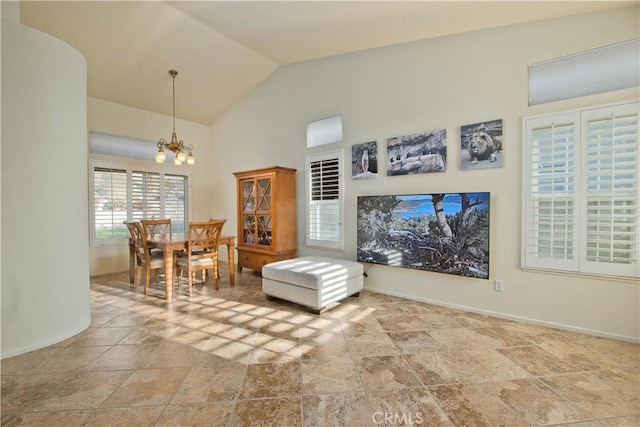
x: 416, y: 87
x: 45, y: 262
x: 10, y: 10
x: 118, y: 119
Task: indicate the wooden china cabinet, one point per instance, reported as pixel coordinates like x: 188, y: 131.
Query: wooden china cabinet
x: 266, y: 216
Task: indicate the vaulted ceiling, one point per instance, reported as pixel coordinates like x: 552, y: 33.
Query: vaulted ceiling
x: 224, y: 49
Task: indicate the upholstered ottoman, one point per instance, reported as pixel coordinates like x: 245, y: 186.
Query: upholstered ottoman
x: 312, y: 281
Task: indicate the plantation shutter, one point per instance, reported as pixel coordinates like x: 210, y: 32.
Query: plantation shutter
x: 611, y: 190
x: 552, y: 228
x: 581, y: 191
x: 176, y: 190
x: 109, y: 203
x: 122, y: 192
x: 145, y: 195
x: 324, y: 192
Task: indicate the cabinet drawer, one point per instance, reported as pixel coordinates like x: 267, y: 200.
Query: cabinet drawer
x: 262, y: 260
x: 254, y: 261
x: 247, y: 259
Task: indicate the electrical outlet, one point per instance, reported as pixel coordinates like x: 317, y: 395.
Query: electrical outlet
x: 497, y: 285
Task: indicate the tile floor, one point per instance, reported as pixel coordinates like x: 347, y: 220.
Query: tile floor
x: 232, y: 358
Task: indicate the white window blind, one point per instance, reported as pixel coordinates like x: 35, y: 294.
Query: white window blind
x: 324, y: 200
x: 109, y: 203
x: 145, y: 195
x: 611, y: 190
x: 122, y: 192
x: 580, y: 200
x: 175, y: 197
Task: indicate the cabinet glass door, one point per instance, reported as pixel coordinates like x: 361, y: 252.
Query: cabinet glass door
x: 263, y: 212
x: 248, y: 228
x: 248, y: 212
x: 256, y: 212
x: 248, y: 196
x: 264, y: 230
x: 263, y: 194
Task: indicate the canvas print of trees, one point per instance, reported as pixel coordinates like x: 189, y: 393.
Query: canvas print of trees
x: 417, y: 153
x: 443, y: 232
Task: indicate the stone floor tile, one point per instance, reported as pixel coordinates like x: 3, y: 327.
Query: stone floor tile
x: 281, y: 411
x: 218, y: 414
x: 134, y: 416
x: 337, y: 409
x: 147, y: 387
x: 271, y: 380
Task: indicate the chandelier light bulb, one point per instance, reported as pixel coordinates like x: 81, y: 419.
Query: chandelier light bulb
x: 161, y: 156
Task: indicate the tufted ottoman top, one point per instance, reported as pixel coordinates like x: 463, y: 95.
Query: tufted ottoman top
x: 312, y: 271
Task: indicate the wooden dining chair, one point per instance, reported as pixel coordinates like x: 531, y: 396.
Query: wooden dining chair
x: 202, y: 251
x: 157, y: 229
x: 145, y: 259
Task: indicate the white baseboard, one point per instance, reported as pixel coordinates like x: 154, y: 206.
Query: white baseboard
x: 571, y: 328
x: 46, y: 343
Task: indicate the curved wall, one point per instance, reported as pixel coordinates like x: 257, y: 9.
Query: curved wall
x: 45, y: 261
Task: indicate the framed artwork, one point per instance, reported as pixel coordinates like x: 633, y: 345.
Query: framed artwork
x: 481, y: 145
x: 439, y: 232
x: 417, y: 153
x: 364, y: 160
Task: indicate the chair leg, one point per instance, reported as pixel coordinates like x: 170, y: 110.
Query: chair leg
x: 178, y: 276
x: 216, y: 276
x: 138, y: 275
x: 147, y: 279
x: 190, y: 276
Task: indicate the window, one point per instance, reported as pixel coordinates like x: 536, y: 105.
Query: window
x: 126, y: 192
x: 581, y: 192
x: 324, y: 200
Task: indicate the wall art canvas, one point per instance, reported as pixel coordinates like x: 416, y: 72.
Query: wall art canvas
x: 440, y: 232
x: 481, y: 145
x: 364, y: 160
x: 417, y: 153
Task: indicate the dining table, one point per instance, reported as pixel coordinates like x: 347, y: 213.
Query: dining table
x: 177, y: 243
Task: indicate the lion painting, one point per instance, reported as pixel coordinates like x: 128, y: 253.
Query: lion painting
x: 483, y: 146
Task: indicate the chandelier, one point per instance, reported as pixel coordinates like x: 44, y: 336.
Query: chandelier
x: 176, y: 146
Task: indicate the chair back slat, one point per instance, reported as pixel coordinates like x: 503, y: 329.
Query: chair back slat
x: 143, y: 252
x: 139, y: 239
x: 157, y: 229
x: 136, y: 237
x: 203, y: 236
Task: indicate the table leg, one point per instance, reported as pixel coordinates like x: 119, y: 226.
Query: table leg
x: 168, y: 272
x: 132, y: 262
x: 230, y: 249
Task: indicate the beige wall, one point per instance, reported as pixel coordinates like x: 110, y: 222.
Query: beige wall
x: 416, y: 87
